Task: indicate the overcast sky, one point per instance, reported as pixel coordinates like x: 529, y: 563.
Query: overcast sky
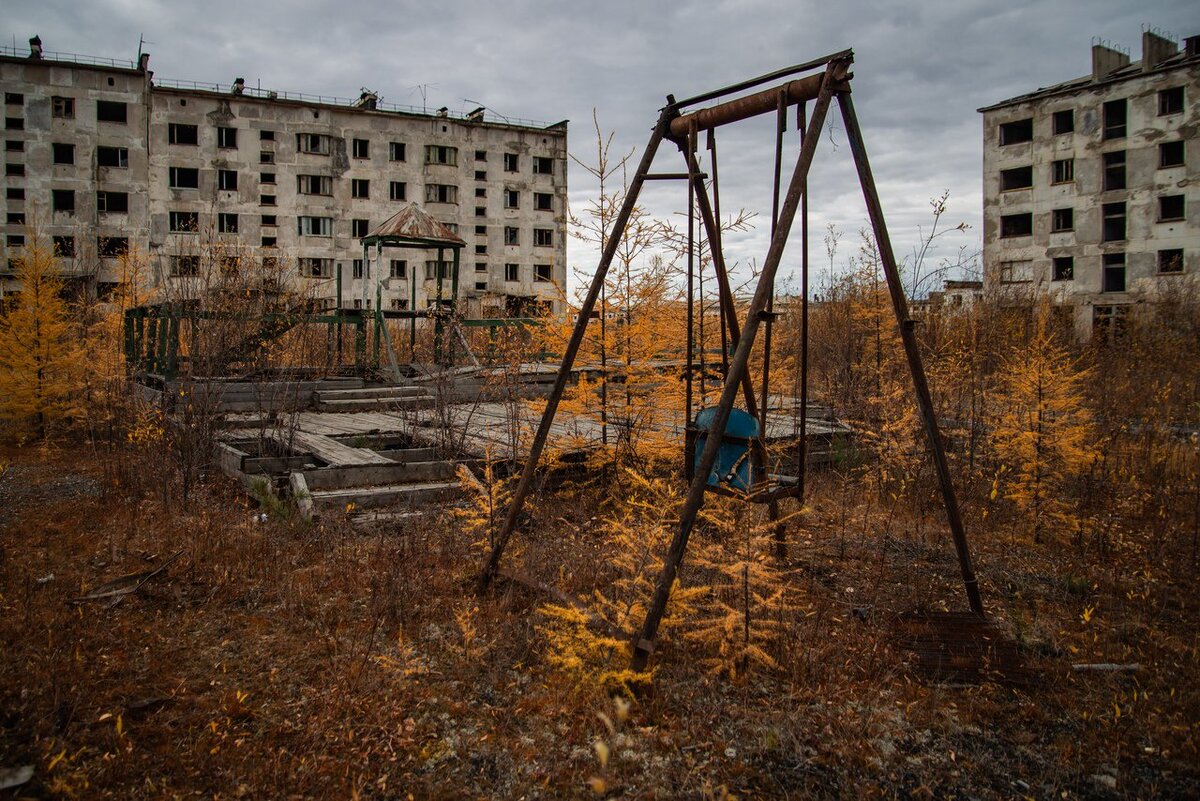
x: 921, y: 70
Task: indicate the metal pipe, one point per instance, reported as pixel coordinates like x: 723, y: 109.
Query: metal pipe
x: 749, y: 106
x: 737, y: 369
x: 716, y: 246
x: 844, y: 55
x: 911, y: 349
x: 689, y: 440
x: 564, y: 369
x: 802, y: 447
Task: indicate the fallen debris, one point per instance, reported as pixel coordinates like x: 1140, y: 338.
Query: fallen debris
x: 117, y: 589
x: 15, y: 777
x: 1106, y: 667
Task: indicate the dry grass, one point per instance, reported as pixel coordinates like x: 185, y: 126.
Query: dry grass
x: 283, y: 660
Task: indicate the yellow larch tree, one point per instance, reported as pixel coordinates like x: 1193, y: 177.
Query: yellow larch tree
x: 41, y: 364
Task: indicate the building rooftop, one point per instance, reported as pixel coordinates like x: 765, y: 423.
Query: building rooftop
x: 1113, y: 66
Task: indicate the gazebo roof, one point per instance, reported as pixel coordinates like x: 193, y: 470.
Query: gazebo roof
x: 412, y: 225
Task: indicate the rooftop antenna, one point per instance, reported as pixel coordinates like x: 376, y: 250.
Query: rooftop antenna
x: 423, y: 88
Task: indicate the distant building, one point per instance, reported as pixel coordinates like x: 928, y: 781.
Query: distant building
x: 105, y: 158
x: 1090, y: 186
x: 954, y: 296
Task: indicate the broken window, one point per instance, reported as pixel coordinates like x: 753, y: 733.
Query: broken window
x: 64, y: 247
x: 183, y: 177
x: 543, y: 237
x: 1016, y: 178
x: 315, y: 267
x: 396, y: 151
x: 1109, y: 323
x: 361, y: 148
x: 441, y: 193
x: 14, y: 99
x: 1170, y: 154
x: 62, y: 108
x: 543, y: 165
x: 481, y: 286
x: 111, y: 111
x: 1170, y: 261
x: 266, y: 136
x: 314, y: 184
x: 432, y: 271
x: 266, y: 157
x: 1064, y: 268
x: 512, y: 199
x: 511, y: 162
x: 543, y: 201
x: 227, y: 223
x: 268, y: 219
x: 1170, y: 208
x: 112, y: 247
x: 1116, y: 114
x: 480, y: 191
x: 16, y: 218
x: 227, y: 138
x: 317, y: 144
x: 1016, y: 272
x: 267, y: 200
x: 481, y: 230
x: 359, y: 228
x: 1062, y: 171
x: 397, y: 190
x: 314, y: 226
x: 266, y: 177
x: 1016, y: 132
x: 398, y: 268
x: 512, y: 235
x: 181, y: 134
x: 542, y: 273
x: 1170, y: 101
x: 269, y: 241
x: 1016, y: 225
x: 14, y: 170
x: 481, y: 249
x: 185, y: 266
x: 184, y: 222
x: 481, y: 155
x: 63, y: 200
x: 1114, y: 170
x: 356, y: 268
x: 441, y: 154
x: 481, y: 175
x: 14, y: 123
x: 360, y: 188
x: 14, y: 193
x: 63, y: 153
x: 399, y: 304
x: 1062, y: 220
x: 1114, y: 273
x: 1113, y: 229
x: 112, y: 157
x: 512, y: 272
x: 227, y: 180
x: 14, y: 146
x: 481, y: 267
x: 1063, y: 121
x: 112, y: 202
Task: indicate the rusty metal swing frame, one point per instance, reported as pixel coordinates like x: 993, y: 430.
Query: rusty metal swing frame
x: 825, y: 80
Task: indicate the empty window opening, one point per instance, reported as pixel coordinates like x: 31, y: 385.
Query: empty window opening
x: 1063, y: 121
x: 441, y: 154
x: 227, y: 223
x: 266, y: 136
x: 112, y: 247
x: 63, y: 153
x: 543, y: 165
x: 180, y: 134
x: 1016, y: 225
x: 14, y: 99
x: 112, y: 157
x: 481, y: 175
x: 360, y: 188
x: 397, y: 190
x: 1170, y: 208
x: 266, y: 177
x: 267, y: 200
x: 359, y: 228
x: 1114, y: 272
x: 543, y: 201
x: 111, y: 111
x: 543, y: 237
x: 183, y: 177
x: 1016, y: 132
x: 481, y: 155
x: 512, y: 199
x: 227, y: 138
x: 481, y: 249
x: 1016, y: 178
x: 112, y: 202
x: 184, y: 222
x: 1064, y: 268
x: 1062, y: 171
x: 15, y: 170
x: 1062, y: 220
x: 511, y: 162
x: 1170, y: 101
x: 398, y: 268
x: 1170, y: 154
x: 266, y: 157
x: 512, y: 235
x: 542, y: 273
x: 63, y: 200
x: 1170, y: 261
x: 1116, y: 114
x: 361, y: 149
x: 1114, y: 170
x: 185, y: 266
x: 397, y: 151
x: 62, y: 108
x: 64, y: 247
x: 1113, y: 228
x: 16, y: 218
x: 269, y: 219
x: 512, y: 272
x: 227, y: 180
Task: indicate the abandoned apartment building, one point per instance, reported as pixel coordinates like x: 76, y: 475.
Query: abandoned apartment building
x: 103, y: 157
x: 1089, y: 186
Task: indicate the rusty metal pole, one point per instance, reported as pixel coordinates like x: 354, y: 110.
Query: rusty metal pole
x: 564, y: 370
x: 644, y: 643
x: 802, y: 447
x: 911, y: 349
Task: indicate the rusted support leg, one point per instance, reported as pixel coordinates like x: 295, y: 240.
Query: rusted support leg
x: 911, y: 349
x: 644, y: 642
x: 564, y: 370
